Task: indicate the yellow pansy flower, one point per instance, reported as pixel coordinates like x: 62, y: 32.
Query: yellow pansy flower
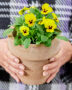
x: 42, y: 21
x: 30, y: 19
x: 46, y: 9
x: 46, y: 5
x: 24, y: 30
x: 28, y: 11
x: 22, y: 10
x: 50, y: 25
x: 25, y: 8
x: 55, y: 17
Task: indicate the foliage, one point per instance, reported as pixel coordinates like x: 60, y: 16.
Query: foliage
x: 35, y: 26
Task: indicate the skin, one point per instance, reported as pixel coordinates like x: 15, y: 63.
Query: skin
x: 58, y: 61
x: 9, y: 62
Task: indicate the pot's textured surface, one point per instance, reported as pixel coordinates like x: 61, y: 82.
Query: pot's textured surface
x: 34, y: 58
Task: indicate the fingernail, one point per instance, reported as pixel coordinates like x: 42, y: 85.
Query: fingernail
x: 16, y: 60
x: 21, y: 73
x: 45, y: 74
x: 45, y: 68
x: 52, y: 59
x: 17, y: 80
x: 21, y: 67
x: 48, y: 81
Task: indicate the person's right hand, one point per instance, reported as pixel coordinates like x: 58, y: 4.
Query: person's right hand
x: 9, y: 62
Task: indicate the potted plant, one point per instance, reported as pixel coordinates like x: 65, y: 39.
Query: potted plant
x: 34, y: 39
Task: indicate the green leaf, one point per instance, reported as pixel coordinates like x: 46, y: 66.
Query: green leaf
x: 55, y: 33
x: 58, y: 30
x: 44, y: 38
x: 39, y: 20
x: 7, y: 31
x: 38, y: 42
x: 49, y: 34
x: 17, y: 28
x: 32, y: 10
x: 39, y: 27
x: 19, y: 20
x: 56, y: 22
x: 49, y: 16
x: 17, y: 40
x: 27, y: 42
x: 38, y: 34
x: 48, y: 43
x: 24, y: 24
x: 62, y: 38
x: 10, y: 25
x: 32, y: 32
x: 36, y: 11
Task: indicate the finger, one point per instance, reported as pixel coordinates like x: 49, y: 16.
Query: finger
x: 48, y: 72
x: 14, y: 64
x: 12, y: 74
x: 13, y: 69
x: 52, y: 59
x: 12, y: 57
x: 51, y: 77
x: 15, y: 77
x: 50, y: 65
x: 16, y: 70
x: 1, y: 63
x: 4, y: 63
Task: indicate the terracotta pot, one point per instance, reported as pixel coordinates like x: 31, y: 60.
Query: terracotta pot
x: 34, y: 58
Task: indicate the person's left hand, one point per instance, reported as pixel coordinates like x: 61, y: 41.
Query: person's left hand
x: 56, y: 62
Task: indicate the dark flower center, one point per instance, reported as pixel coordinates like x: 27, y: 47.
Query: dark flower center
x: 24, y: 31
x: 45, y: 10
x: 56, y: 19
x: 31, y: 21
x: 50, y: 27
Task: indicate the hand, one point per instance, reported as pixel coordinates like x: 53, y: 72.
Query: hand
x: 57, y: 61
x: 9, y: 62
